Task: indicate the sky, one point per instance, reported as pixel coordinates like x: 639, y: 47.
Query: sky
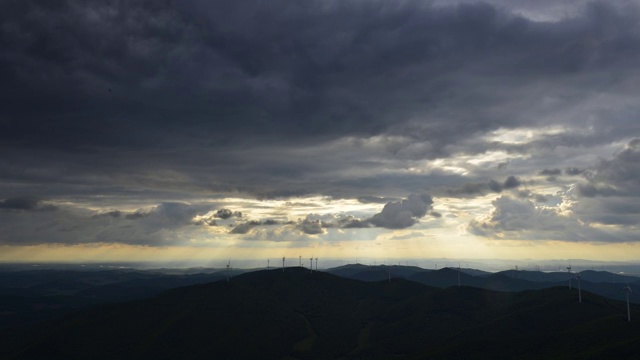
x: 215, y: 130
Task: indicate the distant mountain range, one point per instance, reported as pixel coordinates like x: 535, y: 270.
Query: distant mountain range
x: 599, y: 282
x: 296, y: 314
x: 35, y: 295
x: 31, y: 296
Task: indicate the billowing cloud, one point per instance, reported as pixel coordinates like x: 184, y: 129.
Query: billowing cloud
x: 513, y: 215
x: 403, y: 214
x: 311, y: 227
x: 394, y: 215
x: 522, y: 219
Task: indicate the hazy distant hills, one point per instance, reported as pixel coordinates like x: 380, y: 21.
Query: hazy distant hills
x: 30, y: 296
x: 599, y: 282
x: 296, y: 314
x: 35, y: 295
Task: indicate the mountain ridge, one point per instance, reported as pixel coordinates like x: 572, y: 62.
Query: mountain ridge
x: 272, y: 314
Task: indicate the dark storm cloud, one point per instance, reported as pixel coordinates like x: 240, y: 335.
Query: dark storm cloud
x: 591, y: 190
x: 26, y: 203
x: 551, y: 172
x: 573, y: 171
x: 473, y: 189
x: 511, y: 182
x: 210, y: 74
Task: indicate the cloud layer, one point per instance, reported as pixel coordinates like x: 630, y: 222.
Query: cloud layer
x: 137, y: 122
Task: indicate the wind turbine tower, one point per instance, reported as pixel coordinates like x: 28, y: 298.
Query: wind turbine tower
x: 569, y: 270
x: 228, y: 266
x: 628, y: 291
x: 316, y: 264
x: 458, y: 274
x: 579, y: 290
x: 311, y: 264
x: 300, y: 260
x: 283, y: 264
x: 267, y: 264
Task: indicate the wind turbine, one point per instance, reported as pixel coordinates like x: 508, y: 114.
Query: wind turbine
x: 628, y: 291
x: 283, y: 264
x: 458, y: 274
x: 267, y: 264
x: 579, y: 290
x: 311, y: 264
x: 569, y: 270
x: 316, y: 264
x: 228, y: 266
x: 300, y: 260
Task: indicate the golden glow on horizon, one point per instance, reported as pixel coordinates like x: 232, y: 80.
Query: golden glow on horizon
x: 426, y: 248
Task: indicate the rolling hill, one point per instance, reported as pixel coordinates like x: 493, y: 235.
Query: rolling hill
x: 296, y: 314
x: 599, y: 282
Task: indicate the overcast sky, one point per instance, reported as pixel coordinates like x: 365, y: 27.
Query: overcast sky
x: 148, y: 130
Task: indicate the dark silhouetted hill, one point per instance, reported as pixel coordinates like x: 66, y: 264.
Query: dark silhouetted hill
x: 31, y: 296
x: 296, y: 314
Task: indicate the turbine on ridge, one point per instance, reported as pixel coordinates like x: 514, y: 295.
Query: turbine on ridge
x: 579, y: 290
x: 628, y: 291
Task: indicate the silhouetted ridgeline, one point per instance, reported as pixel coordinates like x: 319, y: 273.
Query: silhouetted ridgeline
x: 32, y: 296
x: 599, y: 282
x: 294, y: 314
